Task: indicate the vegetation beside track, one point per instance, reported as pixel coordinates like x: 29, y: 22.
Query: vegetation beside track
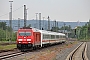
x: 7, y: 47
x: 5, y: 32
x: 1, y: 42
x: 7, y: 42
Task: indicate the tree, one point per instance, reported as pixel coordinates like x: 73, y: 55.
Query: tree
x: 3, y: 25
x: 2, y: 34
x: 29, y: 25
x: 55, y: 29
x: 68, y: 28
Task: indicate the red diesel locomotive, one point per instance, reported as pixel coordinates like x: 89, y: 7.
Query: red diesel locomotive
x: 28, y: 38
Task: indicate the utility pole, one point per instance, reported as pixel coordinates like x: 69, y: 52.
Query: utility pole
x: 40, y: 21
x: 64, y: 27
x: 10, y: 18
x: 36, y: 21
x: 25, y: 15
x: 48, y: 23
x: 6, y: 32
x: 43, y: 22
x: 18, y: 23
x: 55, y: 25
x: 46, y: 26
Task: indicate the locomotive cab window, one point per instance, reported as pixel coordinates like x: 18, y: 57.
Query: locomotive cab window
x: 24, y: 33
x: 28, y: 33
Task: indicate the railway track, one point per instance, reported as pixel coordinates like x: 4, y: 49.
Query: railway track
x: 17, y: 53
x: 79, y: 53
x: 3, y: 57
x: 13, y: 55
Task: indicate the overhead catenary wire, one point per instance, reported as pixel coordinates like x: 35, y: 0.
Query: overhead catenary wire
x: 12, y: 11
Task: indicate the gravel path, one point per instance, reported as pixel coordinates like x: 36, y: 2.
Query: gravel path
x: 88, y: 50
x: 64, y: 53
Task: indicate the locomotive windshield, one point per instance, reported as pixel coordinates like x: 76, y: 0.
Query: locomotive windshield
x: 24, y: 33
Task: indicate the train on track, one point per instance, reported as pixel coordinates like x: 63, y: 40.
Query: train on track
x: 29, y: 38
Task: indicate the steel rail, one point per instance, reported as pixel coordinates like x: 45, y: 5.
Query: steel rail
x: 11, y: 55
x: 71, y: 55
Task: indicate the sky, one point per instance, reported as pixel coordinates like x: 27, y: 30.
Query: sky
x: 60, y: 10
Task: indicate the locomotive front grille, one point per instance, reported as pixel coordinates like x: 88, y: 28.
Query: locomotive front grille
x: 24, y: 46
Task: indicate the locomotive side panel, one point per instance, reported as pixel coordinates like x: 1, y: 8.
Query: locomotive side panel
x: 37, y: 38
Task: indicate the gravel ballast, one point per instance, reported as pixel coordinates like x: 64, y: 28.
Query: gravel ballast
x: 64, y: 53
x: 88, y: 50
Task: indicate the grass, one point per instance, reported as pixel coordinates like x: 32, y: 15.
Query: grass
x: 7, y: 47
x: 66, y: 44
x: 6, y: 41
x: 71, y: 43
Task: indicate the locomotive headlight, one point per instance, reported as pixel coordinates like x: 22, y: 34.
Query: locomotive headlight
x: 19, y: 42
x: 19, y: 39
x: 29, y: 42
x: 28, y: 39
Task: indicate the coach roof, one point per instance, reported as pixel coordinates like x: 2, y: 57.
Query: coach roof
x: 47, y: 32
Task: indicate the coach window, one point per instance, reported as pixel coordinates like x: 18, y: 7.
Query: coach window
x: 57, y: 36
x: 43, y: 36
x: 64, y: 37
x: 48, y: 36
x: 60, y: 36
x: 52, y: 36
